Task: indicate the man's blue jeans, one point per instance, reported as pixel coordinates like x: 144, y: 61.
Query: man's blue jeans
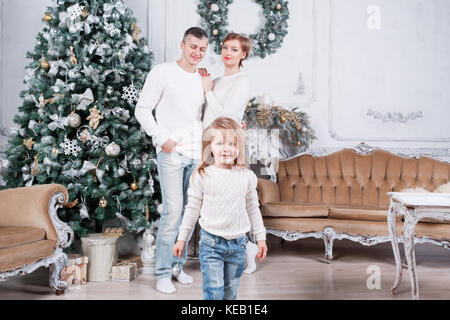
x: 174, y: 172
x: 222, y: 263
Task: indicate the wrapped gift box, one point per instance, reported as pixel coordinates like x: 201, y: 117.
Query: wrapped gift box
x: 75, y: 273
x: 124, y: 271
x: 136, y: 259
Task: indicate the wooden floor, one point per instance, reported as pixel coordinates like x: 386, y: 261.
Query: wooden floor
x: 292, y: 270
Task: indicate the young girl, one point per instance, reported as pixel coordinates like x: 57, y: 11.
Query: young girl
x: 222, y: 192
x: 228, y: 96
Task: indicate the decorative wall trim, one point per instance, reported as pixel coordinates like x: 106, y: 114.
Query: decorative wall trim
x: 313, y: 97
x: 394, y: 116
x: 331, y: 128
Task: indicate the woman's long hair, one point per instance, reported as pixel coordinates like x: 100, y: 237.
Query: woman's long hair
x: 223, y: 125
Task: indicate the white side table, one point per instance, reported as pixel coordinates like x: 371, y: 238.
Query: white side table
x: 414, y: 207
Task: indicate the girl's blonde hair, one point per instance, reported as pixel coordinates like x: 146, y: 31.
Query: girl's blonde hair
x: 245, y: 42
x: 222, y: 126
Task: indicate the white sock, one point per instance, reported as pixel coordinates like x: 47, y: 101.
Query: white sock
x: 165, y: 285
x: 184, y: 278
x: 250, y: 254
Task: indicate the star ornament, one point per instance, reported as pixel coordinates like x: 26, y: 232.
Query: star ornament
x: 29, y: 143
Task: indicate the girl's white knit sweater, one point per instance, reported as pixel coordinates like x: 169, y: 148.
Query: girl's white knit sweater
x: 226, y: 201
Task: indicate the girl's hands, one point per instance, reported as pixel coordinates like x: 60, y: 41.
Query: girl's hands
x: 206, y: 80
x: 262, y: 250
x: 178, y: 248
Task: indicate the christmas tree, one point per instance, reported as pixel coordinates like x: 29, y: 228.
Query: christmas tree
x: 76, y: 126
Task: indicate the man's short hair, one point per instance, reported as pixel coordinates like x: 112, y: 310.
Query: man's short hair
x: 196, y: 32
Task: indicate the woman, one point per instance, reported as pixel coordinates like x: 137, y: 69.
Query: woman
x: 228, y: 96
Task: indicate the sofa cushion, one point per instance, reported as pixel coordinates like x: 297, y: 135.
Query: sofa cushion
x: 293, y: 209
x: 16, y: 257
x: 14, y: 236
x: 359, y: 213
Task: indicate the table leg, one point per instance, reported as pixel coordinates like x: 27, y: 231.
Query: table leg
x: 409, y: 235
x: 392, y: 226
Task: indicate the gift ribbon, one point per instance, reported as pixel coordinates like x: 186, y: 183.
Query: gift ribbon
x: 84, y: 99
x: 99, y: 48
x: 54, y: 67
x: 91, y: 73
x: 32, y: 125
x: 74, y: 26
x: 97, y: 141
x: 116, y: 72
x: 108, y: 8
x: 29, y: 178
x: 62, y: 86
x: 58, y: 122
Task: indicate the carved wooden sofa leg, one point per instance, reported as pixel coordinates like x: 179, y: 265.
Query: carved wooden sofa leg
x: 58, y: 286
x: 328, y: 238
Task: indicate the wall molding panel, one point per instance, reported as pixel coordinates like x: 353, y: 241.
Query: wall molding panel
x: 349, y: 104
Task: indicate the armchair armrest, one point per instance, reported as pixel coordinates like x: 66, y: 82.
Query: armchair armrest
x: 36, y: 206
x: 268, y: 191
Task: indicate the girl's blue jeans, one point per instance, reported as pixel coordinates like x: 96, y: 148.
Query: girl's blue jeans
x: 222, y: 263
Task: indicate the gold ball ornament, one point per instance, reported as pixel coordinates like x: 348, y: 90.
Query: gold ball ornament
x: 45, y: 65
x: 299, y: 143
x: 134, y: 186
x: 48, y: 17
x: 103, y: 202
x: 283, y: 119
x: 278, y: 6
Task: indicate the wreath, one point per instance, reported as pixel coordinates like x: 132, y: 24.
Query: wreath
x: 214, y: 15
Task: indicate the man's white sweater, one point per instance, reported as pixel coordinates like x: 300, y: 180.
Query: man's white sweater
x: 178, y: 98
x: 226, y: 201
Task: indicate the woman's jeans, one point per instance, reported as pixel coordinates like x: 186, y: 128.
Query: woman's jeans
x: 174, y: 172
x: 222, y: 263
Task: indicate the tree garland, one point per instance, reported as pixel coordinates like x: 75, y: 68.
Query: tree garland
x: 295, y: 128
x: 214, y: 14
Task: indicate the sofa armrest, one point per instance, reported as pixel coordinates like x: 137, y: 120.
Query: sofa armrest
x: 268, y: 191
x: 36, y: 206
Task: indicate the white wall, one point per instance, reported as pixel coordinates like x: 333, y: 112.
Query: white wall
x: 356, y: 61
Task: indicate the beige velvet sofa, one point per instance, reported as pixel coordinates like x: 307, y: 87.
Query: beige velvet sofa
x: 342, y: 195
x: 31, y: 234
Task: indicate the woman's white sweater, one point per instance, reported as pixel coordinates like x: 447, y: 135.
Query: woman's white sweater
x: 229, y: 98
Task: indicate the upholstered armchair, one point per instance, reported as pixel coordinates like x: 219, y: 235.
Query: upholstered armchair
x: 31, y: 234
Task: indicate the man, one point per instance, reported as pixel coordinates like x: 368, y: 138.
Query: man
x: 175, y: 90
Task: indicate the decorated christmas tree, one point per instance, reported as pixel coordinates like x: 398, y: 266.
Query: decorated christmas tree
x: 76, y: 126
